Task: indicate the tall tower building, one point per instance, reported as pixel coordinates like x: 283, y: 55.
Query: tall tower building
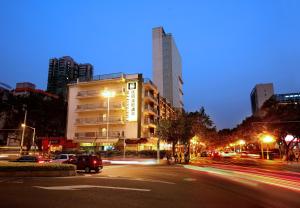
x: 259, y: 95
x: 167, y: 68
x: 65, y: 70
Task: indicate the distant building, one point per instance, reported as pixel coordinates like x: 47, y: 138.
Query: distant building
x: 288, y: 98
x: 28, y: 85
x: 27, y: 89
x: 65, y: 70
x: 259, y: 94
x: 167, y: 68
x: 5, y: 87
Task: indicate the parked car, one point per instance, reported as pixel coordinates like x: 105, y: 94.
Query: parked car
x: 63, y: 158
x: 215, y: 155
x: 88, y: 163
x: 204, y: 154
x: 31, y: 158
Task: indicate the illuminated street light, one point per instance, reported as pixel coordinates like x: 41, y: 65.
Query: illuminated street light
x: 23, y: 125
x: 241, y: 143
x: 232, y: 145
x: 267, y: 139
x: 108, y: 94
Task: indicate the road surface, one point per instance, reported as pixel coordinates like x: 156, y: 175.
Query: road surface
x: 151, y: 186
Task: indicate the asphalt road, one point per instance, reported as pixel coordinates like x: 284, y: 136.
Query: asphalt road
x: 144, y: 186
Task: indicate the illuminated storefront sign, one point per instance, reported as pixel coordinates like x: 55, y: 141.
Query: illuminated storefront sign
x: 132, y: 101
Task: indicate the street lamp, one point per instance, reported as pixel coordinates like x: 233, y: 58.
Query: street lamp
x: 232, y: 145
x: 23, y: 132
x: 108, y: 94
x: 33, y: 135
x: 241, y: 142
x: 267, y: 139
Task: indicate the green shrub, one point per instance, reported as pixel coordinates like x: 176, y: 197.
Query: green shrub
x: 17, y: 166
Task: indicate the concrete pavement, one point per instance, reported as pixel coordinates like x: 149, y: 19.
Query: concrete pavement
x: 143, y: 186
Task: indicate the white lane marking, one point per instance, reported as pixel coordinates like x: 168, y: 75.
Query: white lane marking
x: 117, y: 178
x: 134, y: 179
x: 78, y: 187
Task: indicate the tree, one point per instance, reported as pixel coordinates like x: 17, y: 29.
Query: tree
x: 184, y: 126
x: 47, y: 115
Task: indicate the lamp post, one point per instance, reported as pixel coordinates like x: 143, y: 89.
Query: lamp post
x: 33, y: 135
x: 108, y: 94
x: 23, y: 132
x: 267, y: 139
x: 241, y: 142
x: 232, y: 145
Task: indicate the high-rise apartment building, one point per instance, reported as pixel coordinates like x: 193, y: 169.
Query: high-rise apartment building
x: 259, y: 95
x: 130, y: 114
x: 65, y: 70
x: 167, y: 68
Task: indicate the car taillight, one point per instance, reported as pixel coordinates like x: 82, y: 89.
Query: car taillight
x: 95, y: 161
x: 41, y: 161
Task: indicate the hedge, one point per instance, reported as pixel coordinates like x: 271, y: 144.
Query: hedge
x: 24, y: 166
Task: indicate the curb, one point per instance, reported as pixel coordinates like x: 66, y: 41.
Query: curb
x: 49, y: 173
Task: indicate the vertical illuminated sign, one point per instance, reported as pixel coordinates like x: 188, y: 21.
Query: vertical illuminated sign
x: 132, y: 101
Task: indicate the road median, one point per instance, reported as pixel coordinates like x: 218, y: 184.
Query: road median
x: 14, y: 169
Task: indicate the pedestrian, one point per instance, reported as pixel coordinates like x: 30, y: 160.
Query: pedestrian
x: 297, y: 156
x: 186, y: 157
x: 176, y: 157
x: 180, y: 157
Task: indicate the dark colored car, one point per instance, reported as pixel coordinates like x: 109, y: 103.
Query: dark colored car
x: 88, y: 163
x: 204, y: 154
x: 31, y: 158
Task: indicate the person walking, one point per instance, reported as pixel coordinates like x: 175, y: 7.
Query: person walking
x: 176, y: 157
x: 297, y: 156
x: 180, y: 157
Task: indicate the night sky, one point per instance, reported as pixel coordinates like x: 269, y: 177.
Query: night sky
x: 226, y: 46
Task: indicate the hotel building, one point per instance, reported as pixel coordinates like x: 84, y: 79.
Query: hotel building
x: 109, y: 110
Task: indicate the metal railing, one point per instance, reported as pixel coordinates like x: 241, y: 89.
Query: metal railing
x: 148, y: 107
x: 98, y: 120
x: 148, y: 94
x: 95, y: 93
x: 114, y: 134
x: 97, y: 106
x: 150, y: 121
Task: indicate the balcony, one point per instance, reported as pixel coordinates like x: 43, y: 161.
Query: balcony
x: 150, y: 96
x: 98, y: 135
x: 100, y: 106
x: 149, y: 84
x: 97, y: 93
x: 150, y: 109
x: 99, y: 120
x: 150, y: 121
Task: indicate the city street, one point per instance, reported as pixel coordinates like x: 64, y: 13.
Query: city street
x: 154, y: 186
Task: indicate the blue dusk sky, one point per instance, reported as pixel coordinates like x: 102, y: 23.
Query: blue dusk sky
x: 226, y: 46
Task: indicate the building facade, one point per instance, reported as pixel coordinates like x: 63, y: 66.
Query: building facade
x: 65, y: 70
x: 113, y: 109
x: 167, y: 67
x: 260, y: 94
